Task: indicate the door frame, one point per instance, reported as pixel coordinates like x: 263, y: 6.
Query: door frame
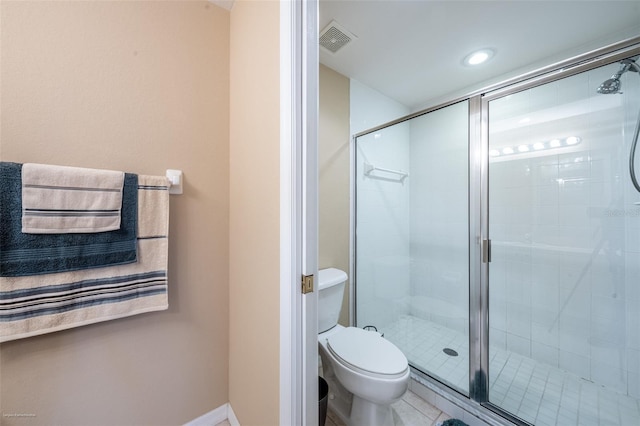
x: 298, y: 211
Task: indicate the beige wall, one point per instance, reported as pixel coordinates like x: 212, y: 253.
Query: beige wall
x: 254, y: 215
x: 141, y: 87
x: 334, y: 165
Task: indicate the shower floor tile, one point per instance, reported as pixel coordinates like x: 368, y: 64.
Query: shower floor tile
x: 534, y: 391
x: 423, y: 343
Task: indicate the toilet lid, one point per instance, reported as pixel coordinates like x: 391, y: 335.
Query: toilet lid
x: 368, y: 351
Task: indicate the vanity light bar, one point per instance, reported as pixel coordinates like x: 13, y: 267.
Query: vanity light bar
x: 538, y: 146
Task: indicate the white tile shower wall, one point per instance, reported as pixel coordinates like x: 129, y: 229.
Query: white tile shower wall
x: 439, y: 217
x: 370, y: 108
x: 382, y: 209
x: 382, y: 227
x: 564, y: 277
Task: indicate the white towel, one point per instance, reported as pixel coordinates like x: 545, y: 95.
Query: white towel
x: 39, y: 304
x: 63, y: 200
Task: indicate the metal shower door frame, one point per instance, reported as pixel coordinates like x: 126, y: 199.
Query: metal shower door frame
x: 479, y: 119
x: 478, y: 204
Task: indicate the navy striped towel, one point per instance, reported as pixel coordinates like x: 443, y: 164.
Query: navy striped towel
x: 33, y: 254
x: 60, y: 199
x: 41, y: 304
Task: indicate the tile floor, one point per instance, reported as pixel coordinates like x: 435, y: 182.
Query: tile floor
x: 536, y: 392
x: 411, y: 411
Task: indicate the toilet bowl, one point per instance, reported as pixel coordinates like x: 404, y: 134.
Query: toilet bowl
x: 365, y: 372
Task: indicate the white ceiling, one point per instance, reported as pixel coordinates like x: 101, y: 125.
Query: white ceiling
x: 412, y: 51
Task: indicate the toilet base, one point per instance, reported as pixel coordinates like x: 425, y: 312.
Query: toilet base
x: 367, y: 413
x: 363, y: 415
x: 355, y: 411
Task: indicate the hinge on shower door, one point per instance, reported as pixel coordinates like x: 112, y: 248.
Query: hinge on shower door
x: 307, y: 284
x: 486, y: 251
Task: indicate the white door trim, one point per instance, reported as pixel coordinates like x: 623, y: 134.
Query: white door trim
x: 290, y: 365
x: 309, y: 241
x: 298, y: 211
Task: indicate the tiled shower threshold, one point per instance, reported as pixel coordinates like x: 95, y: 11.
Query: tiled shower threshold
x: 534, y: 391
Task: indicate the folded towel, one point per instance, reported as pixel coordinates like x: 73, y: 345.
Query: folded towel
x: 41, y: 304
x: 59, y: 199
x: 31, y: 254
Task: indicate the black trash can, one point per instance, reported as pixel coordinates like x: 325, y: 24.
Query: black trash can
x: 323, y: 399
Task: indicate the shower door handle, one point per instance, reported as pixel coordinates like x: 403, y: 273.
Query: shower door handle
x: 486, y: 251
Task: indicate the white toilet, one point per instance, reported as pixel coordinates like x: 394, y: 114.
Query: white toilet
x: 366, y: 373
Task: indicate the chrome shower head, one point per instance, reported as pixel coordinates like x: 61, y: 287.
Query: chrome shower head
x: 610, y: 86
x: 613, y: 84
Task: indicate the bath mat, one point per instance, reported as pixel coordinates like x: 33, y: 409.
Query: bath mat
x: 452, y: 422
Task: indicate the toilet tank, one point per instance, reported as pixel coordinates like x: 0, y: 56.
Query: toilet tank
x: 330, y: 293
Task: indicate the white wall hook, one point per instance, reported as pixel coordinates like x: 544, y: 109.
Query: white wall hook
x: 175, y: 179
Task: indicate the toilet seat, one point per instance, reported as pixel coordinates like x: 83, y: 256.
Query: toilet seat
x: 368, y: 353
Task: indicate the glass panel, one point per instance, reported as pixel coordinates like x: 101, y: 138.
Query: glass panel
x: 412, y: 250
x: 565, y: 228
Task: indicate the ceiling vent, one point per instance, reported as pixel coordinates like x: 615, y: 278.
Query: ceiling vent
x: 334, y: 37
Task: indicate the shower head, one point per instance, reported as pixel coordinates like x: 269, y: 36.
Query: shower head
x: 612, y: 85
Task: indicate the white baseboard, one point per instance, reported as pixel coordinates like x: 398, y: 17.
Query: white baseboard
x: 233, y: 420
x: 212, y: 418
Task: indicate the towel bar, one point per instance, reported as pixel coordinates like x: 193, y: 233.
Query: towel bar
x: 369, y: 168
x: 175, y: 181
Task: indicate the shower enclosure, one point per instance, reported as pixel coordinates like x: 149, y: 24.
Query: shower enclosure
x: 497, y: 242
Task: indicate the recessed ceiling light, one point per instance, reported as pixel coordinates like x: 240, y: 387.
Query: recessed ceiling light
x: 478, y: 57
x: 572, y: 140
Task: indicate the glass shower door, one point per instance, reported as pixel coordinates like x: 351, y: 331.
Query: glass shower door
x: 564, y: 224
x: 412, y: 243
